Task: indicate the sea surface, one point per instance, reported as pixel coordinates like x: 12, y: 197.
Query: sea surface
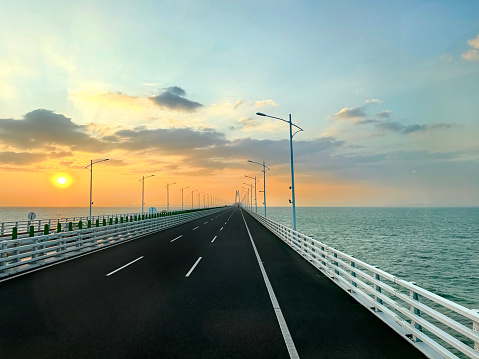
x: 438, y: 248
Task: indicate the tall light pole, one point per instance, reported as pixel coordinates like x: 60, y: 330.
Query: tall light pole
x: 291, y: 135
x: 251, y: 186
x: 91, y: 178
x: 192, y: 197
x: 255, y: 200
x: 182, y: 197
x: 168, y: 195
x: 143, y: 191
x: 264, y: 182
x: 247, y: 194
x: 199, y: 201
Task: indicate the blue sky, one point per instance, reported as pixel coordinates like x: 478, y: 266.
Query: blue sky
x: 386, y: 92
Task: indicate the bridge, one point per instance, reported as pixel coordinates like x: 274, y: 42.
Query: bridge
x: 221, y: 282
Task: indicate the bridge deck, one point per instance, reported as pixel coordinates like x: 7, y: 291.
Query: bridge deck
x: 162, y: 305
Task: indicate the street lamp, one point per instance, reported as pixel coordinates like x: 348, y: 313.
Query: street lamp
x: 255, y: 200
x: 199, y: 201
x: 251, y: 186
x: 91, y: 178
x: 247, y: 194
x: 182, y: 197
x: 192, y: 197
x: 291, y: 135
x: 168, y: 195
x: 143, y: 192
x: 264, y: 182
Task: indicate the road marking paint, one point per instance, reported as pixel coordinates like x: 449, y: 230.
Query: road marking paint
x: 126, y: 265
x: 213, y: 239
x: 192, y: 268
x: 226, y: 222
x: 221, y: 229
x: 196, y: 228
x: 176, y: 238
x: 279, y: 314
x: 205, y: 222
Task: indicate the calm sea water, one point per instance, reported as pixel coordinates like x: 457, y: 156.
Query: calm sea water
x: 438, y: 248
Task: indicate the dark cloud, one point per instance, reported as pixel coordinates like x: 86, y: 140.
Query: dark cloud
x: 173, y: 98
x: 174, y: 140
x: 21, y: 158
x: 40, y: 128
x: 383, y: 114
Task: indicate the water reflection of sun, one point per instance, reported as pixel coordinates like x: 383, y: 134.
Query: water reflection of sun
x: 62, y: 180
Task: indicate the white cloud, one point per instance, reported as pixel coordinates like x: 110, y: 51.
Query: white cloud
x: 238, y: 103
x: 263, y: 103
x: 373, y: 100
x: 347, y: 113
x: 472, y: 54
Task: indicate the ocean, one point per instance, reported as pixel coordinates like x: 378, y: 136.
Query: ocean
x: 438, y: 248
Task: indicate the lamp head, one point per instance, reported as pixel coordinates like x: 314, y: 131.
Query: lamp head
x: 260, y: 114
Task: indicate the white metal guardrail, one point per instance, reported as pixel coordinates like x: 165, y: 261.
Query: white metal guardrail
x: 22, y: 254
x: 437, y: 326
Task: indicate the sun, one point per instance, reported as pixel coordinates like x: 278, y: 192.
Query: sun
x: 62, y: 180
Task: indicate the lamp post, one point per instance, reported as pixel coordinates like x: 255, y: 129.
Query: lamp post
x: 255, y: 200
x: 143, y: 192
x: 247, y: 194
x: 91, y: 178
x: 251, y: 193
x: 168, y: 195
x: 291, y: 135
x: 182, y: 196
x: 192, y: 197
x: 199, y: 201
x: 204, y: 200
x: 264, y: 182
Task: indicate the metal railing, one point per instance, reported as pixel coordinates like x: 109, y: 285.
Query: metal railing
x: 435, y: 325
x: 29, y: 252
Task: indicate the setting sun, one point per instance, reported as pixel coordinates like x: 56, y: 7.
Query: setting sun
x: 62, y: 180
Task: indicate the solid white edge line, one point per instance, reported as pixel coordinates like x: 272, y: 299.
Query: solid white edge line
x: 192, y: 268
x: 214, y: 239
x: 176, y: 238
x: 196, y: 227
x: 126, y: 265
x: 279, y: 314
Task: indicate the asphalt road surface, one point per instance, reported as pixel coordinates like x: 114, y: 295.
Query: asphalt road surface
x: 221, y: 286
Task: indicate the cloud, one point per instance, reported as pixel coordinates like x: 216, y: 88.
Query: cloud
x: 263, y: 103
x: 173, y: 98
x: 384, y: 114
x: 347, y: 113
x: 373, y: 100
x: 21, y: 158
x: 172, y: 140
x: 238, y: 103
x: 408, y: 129
x: 41, y: 128
x: 472, y: 54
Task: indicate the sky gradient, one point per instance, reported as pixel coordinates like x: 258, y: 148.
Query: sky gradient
x: 386, y: 92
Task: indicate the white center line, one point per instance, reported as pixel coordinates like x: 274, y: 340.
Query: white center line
x: 205, y: 222
x: 221, y: 229
x: 192, y: 268
x: 176, y: 238
x: 293, y: 354
x: 226, y: 221
x: 126, y: 265
x: 213, y: 239
x: 195, y: 228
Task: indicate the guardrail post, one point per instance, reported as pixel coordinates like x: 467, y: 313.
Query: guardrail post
x: 97, y: 223
x: 353, y: 273
x: 59, y: 227
x: 336, y: 263
x: 104, y: 221
x: 475, y: 327
x: 80, y: 225
x: 31, y: 231
x: 70, y: 226
x: 46, y: 230
x: 416, y: 311
x: 378, y: 289
x: 323, y: 255
x: 111, y: 221
x: 89, y: 223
